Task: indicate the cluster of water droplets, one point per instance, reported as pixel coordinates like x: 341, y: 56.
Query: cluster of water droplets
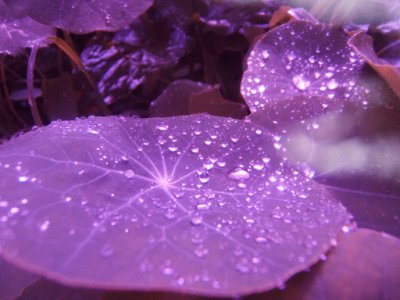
x: 321, y: 70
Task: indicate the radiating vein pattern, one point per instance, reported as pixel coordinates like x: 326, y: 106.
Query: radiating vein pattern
x: 195, y: 203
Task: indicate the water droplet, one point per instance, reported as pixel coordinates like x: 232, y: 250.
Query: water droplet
x: 234, y: 138
x: 129, y: 173
x: 173, y: 148
x: 170, y: 213
x: 243, y: 267
x: 14, y: 210
x: 23, y: 178
x: 201, y: 251
x: 196, y: 219
x: 161, y: 140
x: 261, y: 89
x: 92, y: 131
x: 261, y: 239
x: 332, y: 84
x: 203, y: 175
x: 291, y: 56
x: 167, y: 270
x: 195, y: 150
x: 3, y: 203
x: 280, y: 188
x: 44, y: 226
x: 162, y: 127
x: 203, y: 206
x: 107, y: 250
x: 300, y: 82
x: 238, y: 174
x: 265, y: 54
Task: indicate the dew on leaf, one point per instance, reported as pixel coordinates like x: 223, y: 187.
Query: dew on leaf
x: 166, y: 210
x: 238, y: 174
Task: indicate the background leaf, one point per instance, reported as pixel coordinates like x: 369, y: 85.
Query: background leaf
x: 73, y: 15
x: 19, y: 31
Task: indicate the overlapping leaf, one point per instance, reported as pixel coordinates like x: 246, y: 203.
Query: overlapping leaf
x: 82, y: 16
x: 171, y: 204
x: 19, y: 31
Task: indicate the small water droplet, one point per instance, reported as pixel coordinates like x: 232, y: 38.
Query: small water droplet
x: 44, y: 226
x: 173, y: 148
x: 170, y: 213
x: 167, y: 270
x: 23, y: 178
x: 196, y: 219
x: 261, y: 239
x: 203, y: 175
x: 332, y: 84
x: 129, y: 173
x: 14, y: 210
x: 201, y: 251
x: 107, y: 250
x: 265, y: 54
x: 92, y: 131
x: 203, y: 206
x: 162, y: 127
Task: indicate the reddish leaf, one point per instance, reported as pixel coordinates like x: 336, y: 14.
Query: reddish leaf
x: 362, y: 44
x: 171, y: 204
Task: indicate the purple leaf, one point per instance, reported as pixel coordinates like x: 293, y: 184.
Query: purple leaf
x: 173, y: 204
x: 74, y: 15
x: 310, y: 67
x: 19, y: 31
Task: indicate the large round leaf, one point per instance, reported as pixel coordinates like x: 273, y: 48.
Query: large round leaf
x: 82, y: 16
x: 199, y: 204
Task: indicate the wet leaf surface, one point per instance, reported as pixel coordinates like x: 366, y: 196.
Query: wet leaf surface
x: 19, y: 31
x: 73, y: 15
x: 309, y: 68
x: 164, y: 204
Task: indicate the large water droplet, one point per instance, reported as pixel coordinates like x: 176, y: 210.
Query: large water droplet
x: 301, y: 82
x: 238, y: 174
